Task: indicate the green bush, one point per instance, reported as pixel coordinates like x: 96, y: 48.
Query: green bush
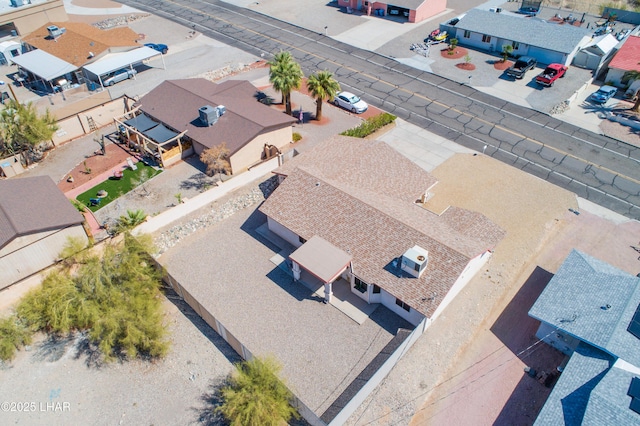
x: 12, y: 336
x: 115, y: 296
x: 296, y: 136
x: 370, y: 125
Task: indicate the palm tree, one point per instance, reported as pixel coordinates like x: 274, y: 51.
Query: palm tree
x: 628, y: 78
x: 321, y: 86
x: 507, y: 50
x: 286, y: 75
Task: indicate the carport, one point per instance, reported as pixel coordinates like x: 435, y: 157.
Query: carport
x: 43, y: 67
x: 116, y: 61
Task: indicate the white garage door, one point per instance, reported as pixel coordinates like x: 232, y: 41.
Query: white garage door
x: 546, y: 56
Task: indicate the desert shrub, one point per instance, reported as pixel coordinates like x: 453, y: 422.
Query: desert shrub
x: 296, y: 136
x: 115, y: 297
x: 13, y: 335
x: 370, y: 125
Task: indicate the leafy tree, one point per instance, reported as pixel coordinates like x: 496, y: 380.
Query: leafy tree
x: 453, y: 43
x: 507, y: 50
x: 286, y: 75
x: 216, y: 159
x: 628, y: 78
x: 115, y: 297
x: 129, y: 221
x: 321, y: 86
x: 254, y: 396
x: 12, y: 336
x: 22, y: 129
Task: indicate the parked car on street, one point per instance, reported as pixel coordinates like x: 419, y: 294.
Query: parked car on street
x: 603, y: 94
x: 551, y: 74
x: 521, y: 66
x: 162, y: 48
x: 350, y: 102
x: 118, y: 76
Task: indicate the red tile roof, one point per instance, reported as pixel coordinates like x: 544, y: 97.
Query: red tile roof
x: 80, y: 40
x: 176, y: 104
x: 360, y: 195
x: 628, y: 57
x: 35, y: 204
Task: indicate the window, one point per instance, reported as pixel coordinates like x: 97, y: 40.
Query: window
x: 302, y: 240
x: 376, y: 289
x: 486, y: 38
x: 360, y: 285
x: 467, y: 34
x: 403, y: 305
x: 515, y: 45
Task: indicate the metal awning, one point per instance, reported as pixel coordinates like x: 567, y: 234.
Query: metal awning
x: 321, y: 258
x: 160, y: 134
x: 141, y: 123
x: 115, y: 61
x: 43, y: 64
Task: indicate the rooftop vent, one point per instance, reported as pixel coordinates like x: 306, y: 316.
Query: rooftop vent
x: 55, y: 32
x: 208, y: 115
x: 221, y: 110
x: 414, y: 261
x: 17, y: 3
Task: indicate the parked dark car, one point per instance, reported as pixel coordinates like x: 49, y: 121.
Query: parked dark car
x: 603, y: 94
x: 521, y: 66
x: 162, y: 48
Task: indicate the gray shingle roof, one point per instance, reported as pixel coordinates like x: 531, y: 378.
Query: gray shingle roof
x: 359, y: 195
x: 526, y: 30
x: 34, y: 204
x: 176, y: 103
x: 575, y: 301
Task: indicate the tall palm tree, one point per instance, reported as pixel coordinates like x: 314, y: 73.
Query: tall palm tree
x: 628, y: 78
x: 286, y: 75
x: 321, y: 86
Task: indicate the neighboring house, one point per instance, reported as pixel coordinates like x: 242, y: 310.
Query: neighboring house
x: 9, y: 50
x: 592, y: 55
x: 36, y: 219
x: 358, y: 210
x: 56, y: 52
x: 20, y: 17
x: 547, y: 42
x: 626, y: 59
x: 180, y: 117
x: 411, y: 10
x: 590, y: 311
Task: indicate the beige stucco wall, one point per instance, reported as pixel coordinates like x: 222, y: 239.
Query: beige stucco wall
x: 428, y: 9
x: 252, y: 152
x: 28, y: 18
x: 29, y: 254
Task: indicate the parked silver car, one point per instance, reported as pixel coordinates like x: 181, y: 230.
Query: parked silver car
x: 118, y: 76
x: 350, y: 102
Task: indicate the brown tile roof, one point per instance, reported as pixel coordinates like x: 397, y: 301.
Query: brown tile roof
x: 176, y: 104
x: 365, y: 205
x: 79, y: 39
x: 34, y: 204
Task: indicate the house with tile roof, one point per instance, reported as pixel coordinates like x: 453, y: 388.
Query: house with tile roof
x: 547, y: 42
x: 36, y: 219
x: 355, y: 211
x: 56, y: 52
x: 182, y: 117
x: 626, y: 59
x: 590, y: 311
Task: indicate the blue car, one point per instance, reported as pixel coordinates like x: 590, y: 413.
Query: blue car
x: 603, y: 94
x: 162, y: 48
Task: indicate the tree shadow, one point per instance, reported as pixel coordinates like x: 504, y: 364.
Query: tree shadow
x: 212, y: 400
x: 199, y: 181
x: 53, y: 347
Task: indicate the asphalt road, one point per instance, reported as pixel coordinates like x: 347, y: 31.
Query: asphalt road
x: 597, y: 168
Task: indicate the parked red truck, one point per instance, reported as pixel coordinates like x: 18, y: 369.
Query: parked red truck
x: 551, y: 74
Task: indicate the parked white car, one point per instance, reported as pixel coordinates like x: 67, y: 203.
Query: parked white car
x: 118, y: 76
x: 350, y: 102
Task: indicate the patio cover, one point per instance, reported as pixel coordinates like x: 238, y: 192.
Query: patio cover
x: 160, y: 134
x: 43, y: 64
x: 321, y: 258
x: 141, y: 123
x: 116, y: 61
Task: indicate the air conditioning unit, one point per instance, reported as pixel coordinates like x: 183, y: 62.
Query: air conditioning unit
x: 414, y: 261
x: 208, y: 115
x: 17, y: 3
x: 55, y: 32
